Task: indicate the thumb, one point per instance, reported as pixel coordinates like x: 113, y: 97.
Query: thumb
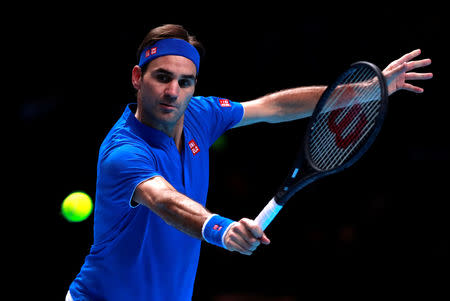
x: 256, y: 230
x: 264, y: 240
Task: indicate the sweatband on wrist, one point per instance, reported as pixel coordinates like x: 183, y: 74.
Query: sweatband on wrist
x: 170, y: 47
x: 215, y: 228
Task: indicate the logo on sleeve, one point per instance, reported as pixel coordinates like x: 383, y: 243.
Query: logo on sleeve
x: 224, y: 102
x: 194, y: 147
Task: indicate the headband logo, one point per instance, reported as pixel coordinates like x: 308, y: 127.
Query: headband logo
x: 170, y: 47
x: 150, y: 52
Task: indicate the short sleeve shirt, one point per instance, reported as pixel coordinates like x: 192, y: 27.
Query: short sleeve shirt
x: 136, y: 255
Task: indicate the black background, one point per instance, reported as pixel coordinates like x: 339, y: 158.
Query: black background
x: 379, y: 228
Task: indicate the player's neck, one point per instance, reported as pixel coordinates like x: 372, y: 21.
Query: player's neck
x: 177, y: 133
x: 174, y: 131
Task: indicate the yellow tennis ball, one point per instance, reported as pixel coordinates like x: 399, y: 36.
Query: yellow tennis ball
x: 77, y: 207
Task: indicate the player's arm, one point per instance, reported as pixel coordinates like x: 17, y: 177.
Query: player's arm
x: 189, y: 216
x: 282, y: 106
x: 173, y: 207
x: 300, y: 102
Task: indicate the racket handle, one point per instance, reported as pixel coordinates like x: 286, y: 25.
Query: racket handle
x: 269, y: 212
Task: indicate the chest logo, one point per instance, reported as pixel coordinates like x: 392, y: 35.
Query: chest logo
x: 194, y: 147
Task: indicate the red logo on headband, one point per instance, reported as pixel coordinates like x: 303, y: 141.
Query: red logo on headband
x: 150, y: 51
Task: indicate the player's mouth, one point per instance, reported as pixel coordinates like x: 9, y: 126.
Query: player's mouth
x: 167, y: 106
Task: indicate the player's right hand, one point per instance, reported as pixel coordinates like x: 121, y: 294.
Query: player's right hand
x: 245, y: 236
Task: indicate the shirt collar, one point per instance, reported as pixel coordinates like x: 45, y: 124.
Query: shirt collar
x: 151, y: 135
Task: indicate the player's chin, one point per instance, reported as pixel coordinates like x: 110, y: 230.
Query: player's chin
x: 169, y: 117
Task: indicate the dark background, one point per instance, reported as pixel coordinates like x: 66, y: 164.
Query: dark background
x: 380, y: 228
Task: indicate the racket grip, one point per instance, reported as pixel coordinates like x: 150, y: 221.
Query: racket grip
x: 267, y: 215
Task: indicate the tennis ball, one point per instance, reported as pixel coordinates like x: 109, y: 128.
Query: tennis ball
x: 76, y: 207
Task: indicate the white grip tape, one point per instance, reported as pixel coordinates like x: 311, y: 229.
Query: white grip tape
x: 268, y: 214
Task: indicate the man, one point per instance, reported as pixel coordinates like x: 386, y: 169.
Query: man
x: 152, y: 180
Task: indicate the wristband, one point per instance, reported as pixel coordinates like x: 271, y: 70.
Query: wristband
x: 215, y: 228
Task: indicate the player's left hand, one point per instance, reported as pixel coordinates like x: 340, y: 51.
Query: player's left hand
x: 398, y: 72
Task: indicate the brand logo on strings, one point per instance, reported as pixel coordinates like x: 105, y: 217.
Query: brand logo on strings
x: 353, y: 117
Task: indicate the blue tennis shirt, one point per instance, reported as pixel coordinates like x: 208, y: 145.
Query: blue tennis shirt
x: 135, y: 254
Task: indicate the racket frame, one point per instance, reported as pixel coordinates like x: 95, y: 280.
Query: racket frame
x: 294, y: 182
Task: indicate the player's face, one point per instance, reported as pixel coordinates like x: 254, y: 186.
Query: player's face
x: 165, y: 90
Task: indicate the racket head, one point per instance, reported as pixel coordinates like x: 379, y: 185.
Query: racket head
x: 347, y: 119
x: 343, y: 126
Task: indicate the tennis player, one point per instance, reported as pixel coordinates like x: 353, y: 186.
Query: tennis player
x: 152, y: 174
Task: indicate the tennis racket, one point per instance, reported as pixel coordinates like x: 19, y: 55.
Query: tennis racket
x: 344, y: 124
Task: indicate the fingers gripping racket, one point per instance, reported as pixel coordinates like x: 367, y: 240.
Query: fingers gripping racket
x: 344, y: 124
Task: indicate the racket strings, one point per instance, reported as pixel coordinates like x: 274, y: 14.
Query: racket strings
x: 336, y: 98
x: 341, y: 150
x: 334, y: 150
x: 348, y: 87
x: 343, y: 125
x: 321, y: 154
x: 338, y: 159
x: 344, y: 114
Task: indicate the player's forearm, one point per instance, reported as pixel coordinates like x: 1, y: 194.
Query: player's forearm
x: 182, y: 213
x: 173, y: 207
x: 192, y: 218
x: 292, y: 104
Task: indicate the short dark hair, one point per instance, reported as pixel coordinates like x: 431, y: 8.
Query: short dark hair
x: 168, y: 31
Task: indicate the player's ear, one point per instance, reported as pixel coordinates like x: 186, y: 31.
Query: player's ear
x: 136, y: 75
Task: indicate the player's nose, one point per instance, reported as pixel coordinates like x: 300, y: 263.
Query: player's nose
x: 172, y: 90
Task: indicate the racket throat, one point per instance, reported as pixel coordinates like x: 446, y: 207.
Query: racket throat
x: 293, y: 184
x: 288, y: 181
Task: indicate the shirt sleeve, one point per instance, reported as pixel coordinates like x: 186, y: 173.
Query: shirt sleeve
x: 217, y: 115
x: 123, y: 169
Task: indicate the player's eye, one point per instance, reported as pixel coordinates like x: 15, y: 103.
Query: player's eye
x: 163, y: 78
x: 185, y: 83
